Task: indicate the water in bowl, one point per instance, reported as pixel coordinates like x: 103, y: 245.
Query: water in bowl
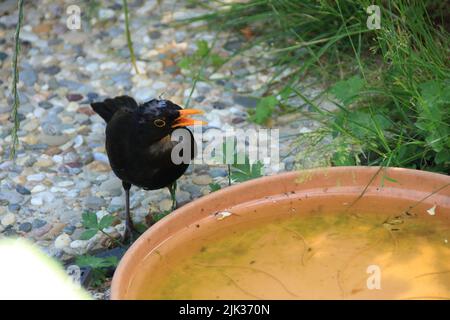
x: 316, y: 255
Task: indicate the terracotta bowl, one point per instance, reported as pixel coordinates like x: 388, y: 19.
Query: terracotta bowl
x: 392, y: 190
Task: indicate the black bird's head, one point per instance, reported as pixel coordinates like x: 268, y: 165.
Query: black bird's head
x: 159, y: 118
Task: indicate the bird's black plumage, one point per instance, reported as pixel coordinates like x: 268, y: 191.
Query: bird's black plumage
x: 138, y: 141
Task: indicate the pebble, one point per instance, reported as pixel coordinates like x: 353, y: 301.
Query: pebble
x: 38, y: 188
x: 13, y: 207
x: 218, y: 172
x: 248, y: 102
x: 69, y: 230
x: 74, y: 97
x: 25, y: 227
x: 38, y: 223
x: 201, y: 180
x: 62, y: 241
x: 22, y: 190
x: 8, y: 219
x: 93, y: 202
x: 165, y: 205
x: 36, y: 177
x: 112, y: 186
x: 28, y: 77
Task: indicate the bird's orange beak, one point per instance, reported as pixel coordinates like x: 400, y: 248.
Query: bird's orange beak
x: 184, y: 121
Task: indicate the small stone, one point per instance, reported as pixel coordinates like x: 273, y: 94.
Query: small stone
x: 144, y: 94
x: 45, y: 104
x: 38, y: 188
x: 248, y: 102
x: 165, y: 205
x: 62, y: 241
x: 28, y: 77
x: 183, y: 196
x: 237, y: 120
x: 219, y: 105
x: 95, y: 203
x: 69, y: 229
x: 154, y: 34
x: 8, y: 220
x: 233, y: 45
x: 36, y: 177
x: 37, y: 201
x: 39, y: 232
x: 53, y: 140
x: 202, y: 180
x: 116, y: 203
x: 98, y: 166
x: 105, y: 13
x: 25, y: 227
x: 38, y: 223
x: 74, y: 97
x: 65, y: 184
x: 10, y: 197
x: 3, y: 56
x: 193, y: 190
x: 112, y: 186
x: 22, y: 190
x: 218, y: 172
x: 79, y: 246
x: 52, y: 70
x: 14, y: 207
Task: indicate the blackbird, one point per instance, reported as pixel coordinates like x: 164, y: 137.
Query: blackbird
x: 139, y: 145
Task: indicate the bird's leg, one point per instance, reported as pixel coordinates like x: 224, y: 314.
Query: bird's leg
x: 129, y: 227
x: 172, y: 189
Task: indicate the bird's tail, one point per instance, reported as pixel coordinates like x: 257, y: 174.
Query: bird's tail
x: 107, y: 108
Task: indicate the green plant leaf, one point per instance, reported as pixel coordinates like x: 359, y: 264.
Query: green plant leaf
x: 214, y: 187
x: 246, y: 171
x: 264, y: 109
x: 88, y: 234
x: 202, y: 48
x: 105, y: 222
x: 185, y: 63
x: 96, y: 262
x: 89, y: 220
x: 347, y: 90
x: 140, y: 227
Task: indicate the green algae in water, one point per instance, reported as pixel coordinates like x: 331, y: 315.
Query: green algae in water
x: 317, y: 256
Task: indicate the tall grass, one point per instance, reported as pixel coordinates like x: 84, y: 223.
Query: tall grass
x: 15, y: 73
x: 391, y: 86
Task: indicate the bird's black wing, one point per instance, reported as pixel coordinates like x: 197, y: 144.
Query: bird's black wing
x: 107, y: 108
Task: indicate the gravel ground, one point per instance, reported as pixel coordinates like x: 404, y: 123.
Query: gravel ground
x: 61, y: 169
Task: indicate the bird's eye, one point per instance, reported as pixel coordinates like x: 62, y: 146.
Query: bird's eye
x: 159, y: 123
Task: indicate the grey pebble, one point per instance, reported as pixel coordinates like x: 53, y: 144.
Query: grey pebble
x: 22, y: 190
x: 245, y: 101
x: 25, y: 227
x: 94, y: 203
x: 38, y: 223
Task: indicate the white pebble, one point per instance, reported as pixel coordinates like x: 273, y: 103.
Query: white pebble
x: 38, y: 188
x: 37, y: 201
x: 65, y: 183
x: 8, y: 219
x: 62, y: 241
x: 36, y: 177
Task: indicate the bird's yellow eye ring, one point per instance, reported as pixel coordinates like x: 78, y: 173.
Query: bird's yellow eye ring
x: 159, y: 123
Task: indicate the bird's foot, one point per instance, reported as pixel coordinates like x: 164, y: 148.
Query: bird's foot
x: 174, y: 205
x: 130, y: 233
